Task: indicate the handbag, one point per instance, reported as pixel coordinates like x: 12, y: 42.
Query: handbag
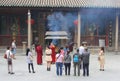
x: 31, y: 58
x: 5, y: 56
x: 9, y: 61
x: 98, y: 58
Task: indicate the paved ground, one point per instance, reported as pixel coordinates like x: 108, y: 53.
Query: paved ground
x: 111, y: 73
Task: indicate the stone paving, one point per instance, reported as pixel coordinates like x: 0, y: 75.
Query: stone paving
x: 111, y: 73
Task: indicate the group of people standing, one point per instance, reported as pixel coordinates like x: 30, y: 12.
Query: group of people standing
x: 50, y: 56
x: 62, y: 58
x: 80, y: 59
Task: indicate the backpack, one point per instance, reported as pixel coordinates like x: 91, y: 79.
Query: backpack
x: 76, y: 58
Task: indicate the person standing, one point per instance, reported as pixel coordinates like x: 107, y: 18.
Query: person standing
x: 62, y: 51
x: 48, y: 57
x: 14, y: 48
x: 59, y: 63
x: 101, y: 58
x: 67, y: 63
x: 66, y: 49
x: 85, y: 58
x: 81, y: 50
x: 39, y: 54
x: 76, y: 62
x: 29, y: 57
x: 71, y: 46
x: 52, y: 46
x: 9, y: 60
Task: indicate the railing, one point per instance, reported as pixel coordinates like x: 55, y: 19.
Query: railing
x: 5, y: 40
x: 93, y: 40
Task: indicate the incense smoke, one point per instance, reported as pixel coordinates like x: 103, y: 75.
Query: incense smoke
x: 58, y: 21
x: 93, y: 21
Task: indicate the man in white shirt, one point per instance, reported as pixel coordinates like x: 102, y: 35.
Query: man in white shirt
x: 81, y: 51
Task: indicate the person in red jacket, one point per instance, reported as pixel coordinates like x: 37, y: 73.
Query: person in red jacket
x: 39, y: 54
x: 52, y: 46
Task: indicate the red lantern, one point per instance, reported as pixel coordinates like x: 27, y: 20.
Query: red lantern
x: 31, y: 21
x: 76, y: 22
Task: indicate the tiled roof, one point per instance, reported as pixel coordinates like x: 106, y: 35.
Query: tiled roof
x: 61, y: 3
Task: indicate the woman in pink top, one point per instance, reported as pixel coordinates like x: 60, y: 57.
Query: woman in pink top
x: 62, y: 51
x: 59, y: 63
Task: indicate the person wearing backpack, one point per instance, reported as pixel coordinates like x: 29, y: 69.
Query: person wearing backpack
x: 76, y: 62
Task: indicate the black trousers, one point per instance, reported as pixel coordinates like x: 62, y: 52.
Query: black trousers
x: 30, y: 64
x: 67, y: 68
x: 85, y: 69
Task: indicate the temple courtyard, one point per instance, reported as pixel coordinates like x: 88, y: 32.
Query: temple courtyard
x: 111, y: 73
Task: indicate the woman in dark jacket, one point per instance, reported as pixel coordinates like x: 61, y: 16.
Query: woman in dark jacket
x: 67, y: 63
x: 85, y: 57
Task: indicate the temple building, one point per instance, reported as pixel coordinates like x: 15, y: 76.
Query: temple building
x: 91, y: 21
